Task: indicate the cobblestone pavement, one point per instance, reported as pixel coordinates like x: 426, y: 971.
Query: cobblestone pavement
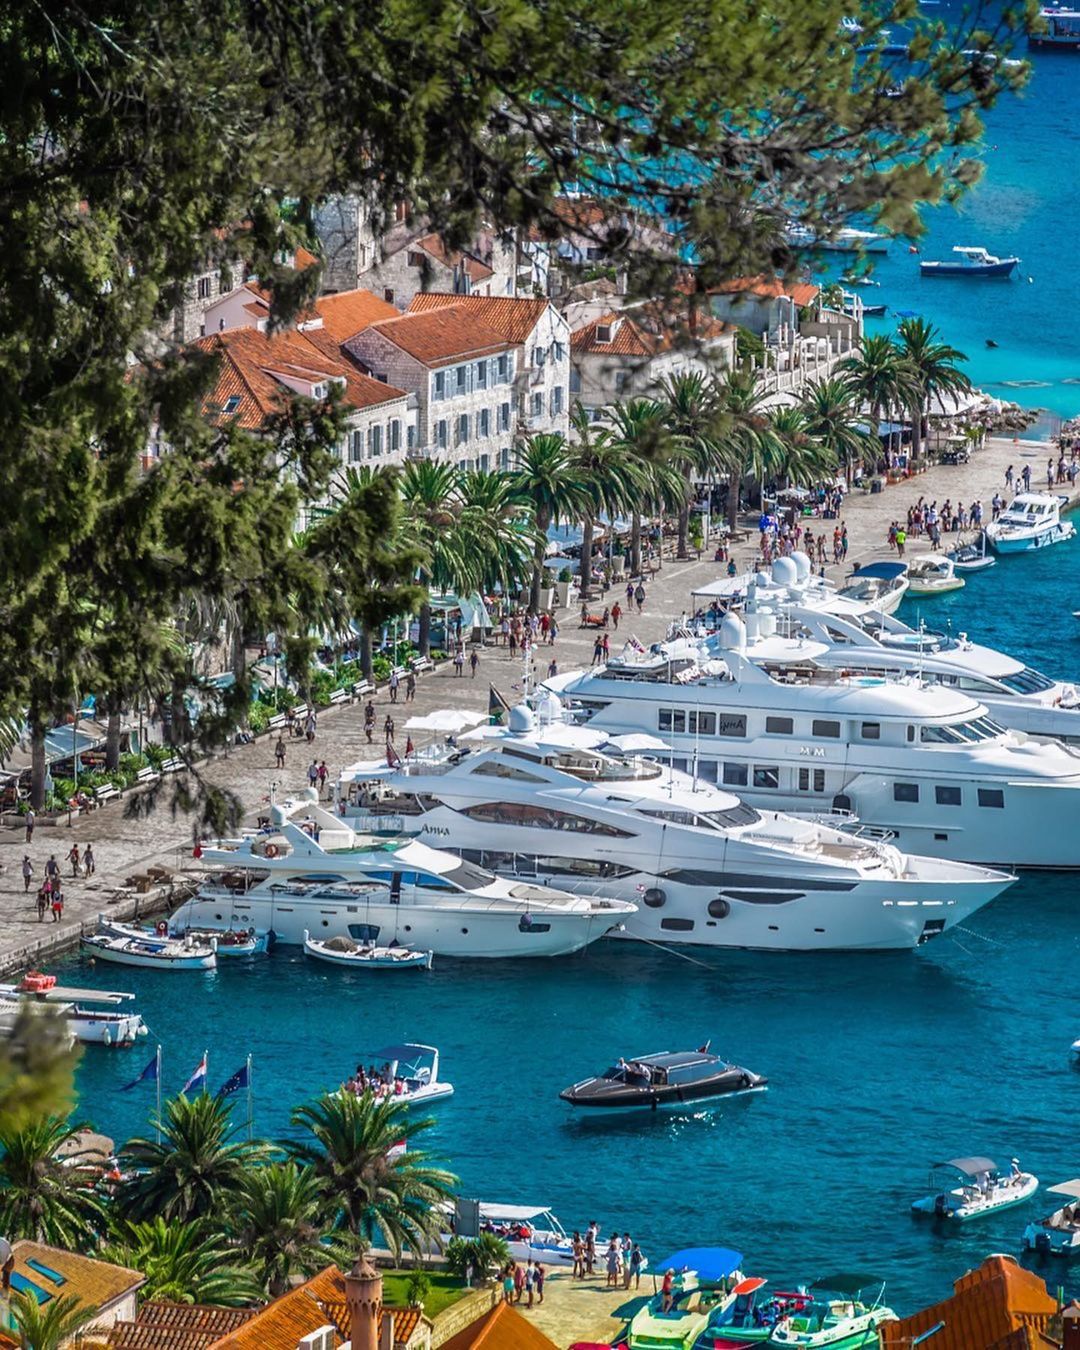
x: 124, y: 844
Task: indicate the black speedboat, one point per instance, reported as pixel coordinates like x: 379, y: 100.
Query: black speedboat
x: 671, y: 1078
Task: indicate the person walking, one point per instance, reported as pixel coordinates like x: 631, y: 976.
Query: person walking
x: 529, y: 1282
x: 1009, y: 477
x: 27, y: 871
x: 324, y: 774
x: 30, y: 818
x: 901, y: 540
x: 553, y: 668
x: 410, y: 686
x: 627, y: 1250
x: 538, y: 1282
x: 279, y: 753
x: 388, y: 728
x: 616, y: 615
x: 73, y: 858
x: 459, y: 662
x: 395, y: 680
x: 637, y: 1260
x: 590, y: 1246
x: 313, y: 774
x: 57, y: 902
x: 52, y: 868
x: 369, y: 720
x: 598, y: 651
x: 639, y: 596
x: 309, y: 727
x: 89, y: 865
x: 43, y: 900
x: 474, y: 661
x: 508, y: 1284
x: 577, y: 1247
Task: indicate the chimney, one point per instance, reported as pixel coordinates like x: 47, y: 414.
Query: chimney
x: 386, y: 1339
x: 1070, y: 1326
x: 363, y: 1299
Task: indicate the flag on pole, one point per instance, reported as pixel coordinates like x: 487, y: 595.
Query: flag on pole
x: 198, y: 1078
x: 497, y: 706
x: 393, y: 759
x: 148, y: 1075
x: 240, y: 1079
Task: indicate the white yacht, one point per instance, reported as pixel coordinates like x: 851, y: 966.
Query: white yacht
x: 774, y: 721
x: 287, y: 881
x: 1031, y: 520
x: 575, y: 807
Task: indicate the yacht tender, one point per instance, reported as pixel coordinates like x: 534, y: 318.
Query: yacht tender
x: 1031, y: 520
x: 584, y: 809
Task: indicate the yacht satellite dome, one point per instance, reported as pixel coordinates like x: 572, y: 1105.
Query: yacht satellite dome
x: 732, y: 633
x: 803, y: 566
x: 762, y: 578
x: 549, y: 707
x: 521, y: 719
x: 785, y: 572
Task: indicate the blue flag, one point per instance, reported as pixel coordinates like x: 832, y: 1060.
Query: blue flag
x: 240, y: 1079
x: 148, y: 1075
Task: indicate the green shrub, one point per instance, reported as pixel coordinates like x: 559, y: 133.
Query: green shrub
x: 64, y: 788
x: 380, y: 666
x: 487, y: 1254
x: 258, y: 718
x: 566, y: 575
x: 437, y: 654
x: 157, y: 754
x: 322, y: 686
x: 417, y: 1288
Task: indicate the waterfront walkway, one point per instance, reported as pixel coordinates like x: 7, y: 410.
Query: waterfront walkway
x: 124, y: 845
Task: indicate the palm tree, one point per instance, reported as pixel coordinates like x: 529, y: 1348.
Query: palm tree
x: 370, y: 1187
x: 693, y: 418
x: 48, y: 1326
x: 640, y: 431
x: 41, y: 1197
x: 432, y: 496
x: 610, y: 478
x: 801, y: 459
x: 882, y: 377
x: 276, y: 1221
x: 749, y: 446
x: 543, y: 480
x: 198, y: 1164
x: 491, y: 513
x: 831, y: 408
x: 183, y: 1262
x: 934, y: 368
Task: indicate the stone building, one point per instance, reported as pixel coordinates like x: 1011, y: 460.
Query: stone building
x: 462, y: 372
x: 425, y: 263
x: 535, y: 326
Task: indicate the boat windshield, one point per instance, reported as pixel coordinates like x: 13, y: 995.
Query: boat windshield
x: 600, y: 769
x: 704, y: 820
x: 957, y: 733
x: 1027, y: 681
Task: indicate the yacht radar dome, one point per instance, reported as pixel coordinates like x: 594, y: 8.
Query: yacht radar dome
x: 785, y: 572
x: 732, y: 633
x: 803, y: 565
x: 521, y: 719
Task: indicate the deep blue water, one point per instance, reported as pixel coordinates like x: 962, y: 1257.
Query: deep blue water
x: 878, y: 1064
x: 1028, y: 203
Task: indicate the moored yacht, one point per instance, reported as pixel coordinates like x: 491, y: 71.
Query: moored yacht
x: 577, y: 807
x: 771, y: 719
x: 288, y: 881
x: 1031, y: 520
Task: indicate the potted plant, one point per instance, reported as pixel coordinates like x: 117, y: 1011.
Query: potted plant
x: 547, y: 589
x: 562, y: 588
x: 697, y: 534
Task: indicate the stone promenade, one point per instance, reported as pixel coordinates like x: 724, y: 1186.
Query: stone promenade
x: 124, y: 845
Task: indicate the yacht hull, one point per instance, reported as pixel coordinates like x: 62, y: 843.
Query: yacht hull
x: 1027, y: 541
x: 444, y: 931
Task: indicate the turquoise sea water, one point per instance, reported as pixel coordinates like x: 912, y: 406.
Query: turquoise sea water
x: 1028, y: 203
x: 877, y: 1064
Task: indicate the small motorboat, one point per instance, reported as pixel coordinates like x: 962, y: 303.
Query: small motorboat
x: 752, y: 1316
x: 981, y: 1189
x: 1031, y: 520
x: 669, y: 1078
x: 232, y: 943
x: 343, y: 951
x: 151, y: 953
x: 531, y: 1233
x: 880, y: 585
x: 933, y: 574
x: 1059, y: 1233
x: 408, y: 1073
x: 91, y: 1026
x: 703, y: 1289
x: 1074, y: 1049
x: 972, y: 557
x: 837, y: 1317
x: 970, y: 262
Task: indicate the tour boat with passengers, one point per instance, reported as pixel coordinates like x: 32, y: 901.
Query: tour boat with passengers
x: 310, y: 872
x: 603, y: 814
x: 406, y: 1073
x: 1059, y: 1233
x: 1061, y: 32
x: 779, y: 721
x: 1031, y: 520
x: 971, y: 1188
x: 865, y: 642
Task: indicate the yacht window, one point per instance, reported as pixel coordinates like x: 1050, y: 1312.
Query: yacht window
x: 905, y: 792
x: 732, y: 817
x: 779, y: 726
x: 766, y: 776
x: 911, y: 733
x: 1027, y: 681
x: 679, y: 765
x: 707, y: 770
x: 494, y: 768
x: 825, y: 728
x: 735, y: 775
x: 948, y: 796
x: 731, y: 724
x: 940, y: 736
x: 991, y: 797
x: 671, y: 719
x: 871, y: 731
x: 702, y: 723
x: 673, y: 815
x: 812, y: 779
x: 575, y: 867
x: 541, y: 818
x: 677, y: 925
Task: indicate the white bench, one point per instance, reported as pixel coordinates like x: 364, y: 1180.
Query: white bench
x: 363, y: 688
x: 276, y: 723
x: 105, y: 794
x: 147, y: 775
x: 340, y: 696
x: 422, y: 664
x: 300, y: 711
x: 173, y: 765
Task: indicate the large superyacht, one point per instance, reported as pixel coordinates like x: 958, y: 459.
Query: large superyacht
x: 574, y: 807
x: 778, y: 721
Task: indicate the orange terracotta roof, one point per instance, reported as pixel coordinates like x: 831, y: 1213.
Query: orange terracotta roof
x: 989, y: 1304
x: 514, y: 317
x: 96, y: 1284
x: 768, y: 288
x: 442, y: 336
x: 248, y: 360
x: 504, y: 1328
x: 281, y: 1324
x: 350, y: 312
x: 645, y: 334
x: 177, y: 1326
x: 583, y: 213
x: 435, y: 247
x: 302, y: 259
x: 406, y: 1320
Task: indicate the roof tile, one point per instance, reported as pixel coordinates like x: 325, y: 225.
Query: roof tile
x: 503, y: 1328
x: 768, y: 288
x: 514, y: 317
x: 442, y: 336
x: 350, y: 312
x: 988, y: 1305
x: 94, y: 1283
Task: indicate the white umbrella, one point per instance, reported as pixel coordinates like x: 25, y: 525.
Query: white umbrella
x: 634, y: 741
x: 445, y: 719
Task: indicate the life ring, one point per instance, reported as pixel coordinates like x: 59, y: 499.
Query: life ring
x: 271, y: 850
x: 162, y: 928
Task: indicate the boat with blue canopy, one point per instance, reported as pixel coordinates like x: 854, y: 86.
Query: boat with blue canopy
x: 701, y: 1284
